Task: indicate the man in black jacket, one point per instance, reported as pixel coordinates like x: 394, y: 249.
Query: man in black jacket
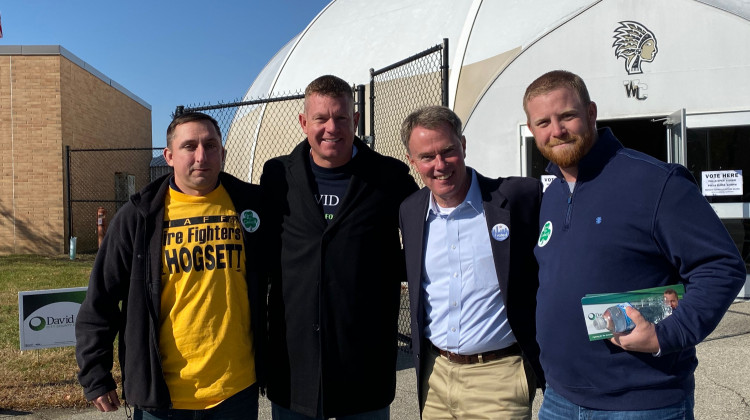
x: 176, y: 278
x: 338, y: 266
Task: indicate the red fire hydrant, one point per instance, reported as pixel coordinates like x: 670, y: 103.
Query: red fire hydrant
x: 101, y: 224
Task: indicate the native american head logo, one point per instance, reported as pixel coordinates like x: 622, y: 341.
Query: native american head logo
x: 636, y: 44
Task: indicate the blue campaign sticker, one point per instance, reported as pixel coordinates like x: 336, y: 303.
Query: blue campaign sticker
x: 500, y: 232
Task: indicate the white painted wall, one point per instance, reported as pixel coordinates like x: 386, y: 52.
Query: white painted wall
x: 702, y: 64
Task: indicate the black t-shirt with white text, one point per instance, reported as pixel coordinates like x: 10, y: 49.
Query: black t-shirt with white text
x: 332, y: 184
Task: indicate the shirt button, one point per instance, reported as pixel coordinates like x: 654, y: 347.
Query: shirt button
x: 455, y: 304
x: 453, y: 247
x: 316, y: 327
x: 455, y: 275
x: 453, y: 329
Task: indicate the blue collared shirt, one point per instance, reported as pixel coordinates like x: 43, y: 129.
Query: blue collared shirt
x: 464, y: 307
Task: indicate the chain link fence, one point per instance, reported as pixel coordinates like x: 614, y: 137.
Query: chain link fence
x: 399, y: 89
x: 396, y: 91
x: 105, y: 178
x: 255, y: 131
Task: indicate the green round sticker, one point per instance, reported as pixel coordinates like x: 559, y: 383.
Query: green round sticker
x: 545, y: 235
x: 250, y: 220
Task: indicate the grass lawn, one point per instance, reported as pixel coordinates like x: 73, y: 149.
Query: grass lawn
x: 44, y: 378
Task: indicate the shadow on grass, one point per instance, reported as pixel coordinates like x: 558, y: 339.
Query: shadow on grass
x: 41, y: 385
x: 14, y: 412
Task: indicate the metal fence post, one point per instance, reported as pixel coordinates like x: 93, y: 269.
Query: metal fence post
x: 446, y: 73
x: 372, y: 108
x: 361, y: 110
x: 70, y: 199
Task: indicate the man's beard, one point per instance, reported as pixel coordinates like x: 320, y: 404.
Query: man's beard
x: 577, y: 148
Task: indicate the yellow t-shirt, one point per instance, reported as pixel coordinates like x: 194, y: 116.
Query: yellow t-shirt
x: 205, y: 336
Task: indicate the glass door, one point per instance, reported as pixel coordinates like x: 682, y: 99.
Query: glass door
x: 718, y: 156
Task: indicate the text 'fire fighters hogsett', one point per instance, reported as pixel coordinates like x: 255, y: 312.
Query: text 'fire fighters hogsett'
x: 202, y: 243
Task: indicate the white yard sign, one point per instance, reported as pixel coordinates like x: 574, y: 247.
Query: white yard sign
x: 46, y: 318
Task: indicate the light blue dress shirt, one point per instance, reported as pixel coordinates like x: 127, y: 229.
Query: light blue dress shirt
x: 464, y: 307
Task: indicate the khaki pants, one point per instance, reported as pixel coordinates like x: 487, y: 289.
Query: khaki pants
x: 493, y: 390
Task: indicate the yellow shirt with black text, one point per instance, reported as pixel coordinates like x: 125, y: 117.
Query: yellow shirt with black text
x: 205, y: 337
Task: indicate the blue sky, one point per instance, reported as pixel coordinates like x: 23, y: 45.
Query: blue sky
x: 168, y: 53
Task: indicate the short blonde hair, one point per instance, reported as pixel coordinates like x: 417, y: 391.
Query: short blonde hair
x: 553, y: 80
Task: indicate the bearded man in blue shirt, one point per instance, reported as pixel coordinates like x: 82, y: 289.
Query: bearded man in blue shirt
x: 616, y: 220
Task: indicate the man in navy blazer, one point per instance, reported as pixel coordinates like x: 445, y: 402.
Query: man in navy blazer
x: 472, y: 276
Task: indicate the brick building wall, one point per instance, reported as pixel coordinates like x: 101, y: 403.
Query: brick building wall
x: 48, y: 101
x: 96, y: 115
x: 6, y: 164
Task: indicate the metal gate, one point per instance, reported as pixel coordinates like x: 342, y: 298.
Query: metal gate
x: 399, y: 89
x: 104, y: 178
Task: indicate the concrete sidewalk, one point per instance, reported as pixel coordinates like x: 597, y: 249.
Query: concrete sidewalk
x: 722, y: 380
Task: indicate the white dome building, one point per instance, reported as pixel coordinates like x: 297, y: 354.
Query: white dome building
x: 671, y: 77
